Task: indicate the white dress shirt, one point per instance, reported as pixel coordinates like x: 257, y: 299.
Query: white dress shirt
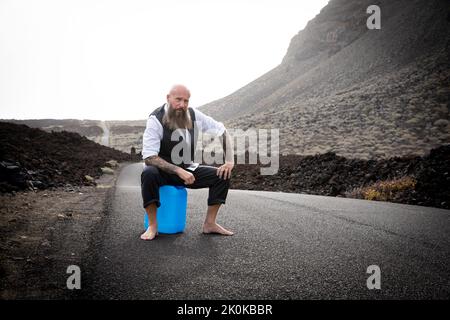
x: 151, y: 141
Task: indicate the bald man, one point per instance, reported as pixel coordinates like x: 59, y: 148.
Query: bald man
x: 160, y: 169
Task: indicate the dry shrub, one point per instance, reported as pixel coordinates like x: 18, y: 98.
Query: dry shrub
x: 386, y: 190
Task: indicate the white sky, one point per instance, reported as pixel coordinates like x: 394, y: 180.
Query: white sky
x: 116, y: 59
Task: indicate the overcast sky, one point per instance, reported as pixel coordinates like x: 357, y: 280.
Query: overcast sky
x: 116, y: 59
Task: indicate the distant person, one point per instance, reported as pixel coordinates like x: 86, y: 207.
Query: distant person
x: 161, y: 170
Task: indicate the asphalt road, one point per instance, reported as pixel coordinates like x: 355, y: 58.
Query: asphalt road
x: 286, y: 246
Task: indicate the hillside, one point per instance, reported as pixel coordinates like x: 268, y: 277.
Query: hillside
x: 31, y: 158
x: 120, y: 135
x: 357, y: 92
x: 87, y: 128
x: 412, y: 180
x: 126, y: 134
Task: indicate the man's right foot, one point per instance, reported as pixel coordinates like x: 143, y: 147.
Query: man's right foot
x: 216, y: 229
x: 150, y: 234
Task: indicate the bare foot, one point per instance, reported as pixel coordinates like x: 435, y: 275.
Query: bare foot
x: 150, y: 234
x: 217, y: 229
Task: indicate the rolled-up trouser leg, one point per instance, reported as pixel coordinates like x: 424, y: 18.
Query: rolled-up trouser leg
x: 150, y: 181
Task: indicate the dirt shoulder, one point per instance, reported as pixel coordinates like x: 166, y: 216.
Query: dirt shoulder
x: 44, y: 232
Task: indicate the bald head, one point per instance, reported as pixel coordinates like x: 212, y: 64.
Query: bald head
x: 179, y: 89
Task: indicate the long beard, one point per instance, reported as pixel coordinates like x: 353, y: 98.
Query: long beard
x: 177, y: 119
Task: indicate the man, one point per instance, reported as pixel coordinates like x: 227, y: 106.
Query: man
x: 175, y: 119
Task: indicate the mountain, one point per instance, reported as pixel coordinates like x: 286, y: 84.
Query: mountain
x: 357, y: 92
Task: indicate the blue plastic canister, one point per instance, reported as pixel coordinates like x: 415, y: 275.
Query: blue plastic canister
x: 171, y: 215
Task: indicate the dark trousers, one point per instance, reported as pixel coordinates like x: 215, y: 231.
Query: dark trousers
x: 205, y: 177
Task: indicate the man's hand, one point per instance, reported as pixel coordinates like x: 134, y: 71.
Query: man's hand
x: 186, y: 176
x: 224, y: 171
x: 165, y: 166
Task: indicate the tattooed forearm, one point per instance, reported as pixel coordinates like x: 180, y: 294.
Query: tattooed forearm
x: 161, y: 164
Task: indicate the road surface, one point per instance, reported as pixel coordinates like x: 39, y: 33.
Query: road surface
x: 286, y: 246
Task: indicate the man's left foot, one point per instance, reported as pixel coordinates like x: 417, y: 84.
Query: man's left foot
x: 216, y: 229
x: 150, y: 233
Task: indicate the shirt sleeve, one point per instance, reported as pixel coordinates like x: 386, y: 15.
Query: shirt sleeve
x: 208, y: 124
x: 151, y: 141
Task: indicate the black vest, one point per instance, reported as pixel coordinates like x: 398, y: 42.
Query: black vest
x: 167, y: 144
